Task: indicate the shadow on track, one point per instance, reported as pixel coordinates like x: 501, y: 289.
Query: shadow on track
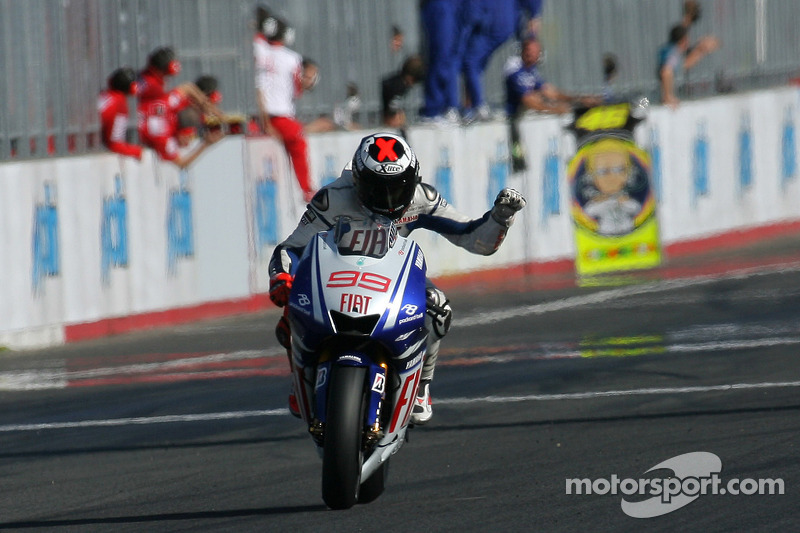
x: 154, y: 446
x: 167, y: 517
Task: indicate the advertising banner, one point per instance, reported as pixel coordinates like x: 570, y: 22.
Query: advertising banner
x: 613, y: 205
x: 97, y: 238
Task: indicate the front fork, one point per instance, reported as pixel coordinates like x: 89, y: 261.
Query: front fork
x: 376, y: 396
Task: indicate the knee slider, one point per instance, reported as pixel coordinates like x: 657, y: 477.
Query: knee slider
x: 439, y: 310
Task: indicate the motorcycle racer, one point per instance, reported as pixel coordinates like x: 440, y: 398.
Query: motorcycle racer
x: 384, y: 178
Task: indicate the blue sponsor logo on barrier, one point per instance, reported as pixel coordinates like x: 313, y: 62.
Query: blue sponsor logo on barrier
x: 443, y: 180
x: 745, y: 155
x: 46, y: 259
x: 655, y: 161
x: 180, y: 228
x: 114, y: 230
x: 700, y: 164
x: 788, y: 148
x: 498, y: 172
x: 330, y: 174
x: 266, y: 207
x: 551, y: 196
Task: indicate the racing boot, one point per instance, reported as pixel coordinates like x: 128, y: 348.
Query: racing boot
x: 423, y: 407
x: 294, y: 407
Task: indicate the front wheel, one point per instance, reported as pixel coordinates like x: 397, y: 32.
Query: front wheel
x: 342, y: 456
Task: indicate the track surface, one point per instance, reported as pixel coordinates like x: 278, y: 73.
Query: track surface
x: 185, y: 429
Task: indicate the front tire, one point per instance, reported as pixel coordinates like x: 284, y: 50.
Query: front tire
x: 342, y: 455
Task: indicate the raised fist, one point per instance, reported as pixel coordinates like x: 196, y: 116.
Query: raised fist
x: 508, y: 202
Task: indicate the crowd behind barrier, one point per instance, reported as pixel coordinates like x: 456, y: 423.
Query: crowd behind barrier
x: 102, y: 243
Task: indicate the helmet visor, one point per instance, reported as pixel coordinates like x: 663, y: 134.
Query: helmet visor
x: 389, y: 197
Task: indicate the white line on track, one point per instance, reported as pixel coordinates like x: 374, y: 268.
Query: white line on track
x: 612, y: 393
x: 233, y: 415
x: 142, y: 420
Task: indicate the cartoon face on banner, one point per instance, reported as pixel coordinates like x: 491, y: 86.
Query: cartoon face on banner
x: 610, y: 187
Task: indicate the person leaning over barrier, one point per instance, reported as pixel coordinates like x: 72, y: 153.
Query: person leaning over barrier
x: 527, y: 90
x: 112, y: 105
x: 676, y: 56
x: 172, y: 124
x: 384, y: 178
x: 162, y: 63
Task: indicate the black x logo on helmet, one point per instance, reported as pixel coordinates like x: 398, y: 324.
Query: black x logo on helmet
x: 386, y: 174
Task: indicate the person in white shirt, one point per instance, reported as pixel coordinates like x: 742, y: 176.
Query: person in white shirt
x: 281, y: 77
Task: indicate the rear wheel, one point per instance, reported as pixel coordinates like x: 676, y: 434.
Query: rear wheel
x: 342, y: 456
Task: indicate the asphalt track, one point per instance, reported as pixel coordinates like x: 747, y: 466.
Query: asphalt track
x: 541, y: 381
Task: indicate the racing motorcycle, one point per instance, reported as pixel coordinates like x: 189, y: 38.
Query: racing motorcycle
x: 357, y: 315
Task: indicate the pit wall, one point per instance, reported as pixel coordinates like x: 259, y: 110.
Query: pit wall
x: 102, y: 244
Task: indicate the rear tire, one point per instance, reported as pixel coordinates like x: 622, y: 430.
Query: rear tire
x: 342, y: 456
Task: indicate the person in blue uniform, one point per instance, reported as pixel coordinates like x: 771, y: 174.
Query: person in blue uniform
x: 527, y: 90
x: 441, y: 24
x: 494, y: 23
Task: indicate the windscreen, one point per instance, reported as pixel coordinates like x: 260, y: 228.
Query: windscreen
x: 370, y: 236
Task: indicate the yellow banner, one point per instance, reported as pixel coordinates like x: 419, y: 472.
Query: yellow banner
x: 613, y: 208
x: 598, y: 254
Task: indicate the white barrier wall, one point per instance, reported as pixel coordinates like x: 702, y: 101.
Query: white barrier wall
x: 101, y: 237
x: 726, y: 162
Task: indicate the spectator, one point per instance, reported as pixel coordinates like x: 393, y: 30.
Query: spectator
x: 691, y: 13
x: 112, y: 104
x: 344, y: 114
x: 609, y: 75
x: 526, y: 89
x: 396, y: 86
x: 308, y: 80
x: 674, y: 57
x: 152, y: 80
x: 161, y: 64
x: 498, y: 20
x: 261, y: 49
x: 531, y: 25
x: 172, y: 123
x: 233, y: 124
x: 262, y: 14
x: 281, y: 77
x: 209, y: 86
x: 398, y: 39
x: 267, y: 26
x: 441, y: 24
x: 182, y: 153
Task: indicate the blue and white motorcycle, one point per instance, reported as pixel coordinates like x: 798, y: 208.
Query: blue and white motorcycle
x: 357, y: 314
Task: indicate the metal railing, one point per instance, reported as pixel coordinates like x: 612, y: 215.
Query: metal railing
x: 56, y: 54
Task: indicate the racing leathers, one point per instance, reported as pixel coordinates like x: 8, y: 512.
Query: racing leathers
x: 428, y: 210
